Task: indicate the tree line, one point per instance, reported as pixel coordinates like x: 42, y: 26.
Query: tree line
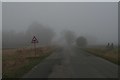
x: 71, y: 38
x: 13, y: 39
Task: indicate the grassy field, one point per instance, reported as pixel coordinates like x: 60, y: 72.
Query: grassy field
x: 17, y: 62
x: 110, y: 55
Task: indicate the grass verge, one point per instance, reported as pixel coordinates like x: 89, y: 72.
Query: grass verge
x: 16, y: 63
x: 110, y: 55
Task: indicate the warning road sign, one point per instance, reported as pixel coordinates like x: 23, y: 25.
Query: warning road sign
x: 34, y: 40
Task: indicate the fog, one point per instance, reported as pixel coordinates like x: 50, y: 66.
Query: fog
x: 0, y: 25
x: 98, y: 22
x: 0, y: 41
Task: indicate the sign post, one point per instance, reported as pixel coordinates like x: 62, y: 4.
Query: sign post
x: 34, y: 41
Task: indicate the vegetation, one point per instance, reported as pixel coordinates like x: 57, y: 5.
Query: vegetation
x: 110, y: 55
x: 69, y: 36
x: 14, y: 39
x: 17, y: 62
x: 81, y: 41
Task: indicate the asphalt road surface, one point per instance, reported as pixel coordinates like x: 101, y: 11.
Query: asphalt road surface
x: 72, y: 63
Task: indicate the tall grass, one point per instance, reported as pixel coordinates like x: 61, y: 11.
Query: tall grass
x: 110, y: 55
x: 17, y: 62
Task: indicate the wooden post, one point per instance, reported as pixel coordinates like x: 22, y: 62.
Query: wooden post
x: 35, y: 48
x: 34, y: 40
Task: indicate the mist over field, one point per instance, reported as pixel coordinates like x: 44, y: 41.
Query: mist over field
x: 97, y: 22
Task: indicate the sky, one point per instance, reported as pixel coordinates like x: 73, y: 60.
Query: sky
x: 0, y: 41
x: 0, y: 25
x: 60, y: 0
x: 99, y: 20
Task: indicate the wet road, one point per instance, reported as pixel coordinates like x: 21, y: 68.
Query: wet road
x: 73, y: 63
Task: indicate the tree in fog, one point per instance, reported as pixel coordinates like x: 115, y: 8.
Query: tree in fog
x: 81, y: 41
x: 43, y: 34
x: 7, y: 37
x: 69, y: 36
x: 13, y: 39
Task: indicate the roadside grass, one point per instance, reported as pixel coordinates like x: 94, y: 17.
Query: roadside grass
x: 17, y: 62
x: 110, y: 55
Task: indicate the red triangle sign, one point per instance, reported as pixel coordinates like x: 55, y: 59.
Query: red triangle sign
x: 34, y: 40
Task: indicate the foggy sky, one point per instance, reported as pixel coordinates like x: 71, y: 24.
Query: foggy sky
x: 60, y: 0
x: 0, y: 26
x: 98, y: 20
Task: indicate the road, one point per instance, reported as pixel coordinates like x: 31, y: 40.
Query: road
x: 72, y: 63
